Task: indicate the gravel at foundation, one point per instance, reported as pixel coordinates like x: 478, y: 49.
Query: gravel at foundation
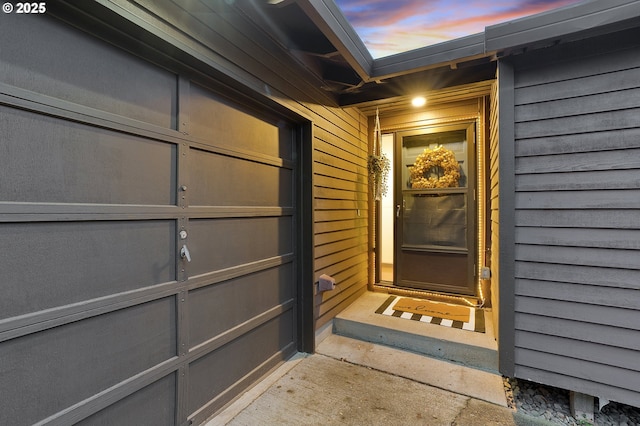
x: 552, y: 404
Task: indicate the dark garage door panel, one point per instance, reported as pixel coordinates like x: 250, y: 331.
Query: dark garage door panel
x: 216, y: 121
x: 153, y: 405
x: 43, y: 56
x: 225, y: 305
x: 102, y: 321
x: 247, y: 183
x: 242, y: 319
x: 224, y: 243
x: 222, y: 373
x: 51, y: 160
x: 46, y: 372
x: 54, y: 264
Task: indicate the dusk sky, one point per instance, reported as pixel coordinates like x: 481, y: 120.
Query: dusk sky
x: 388, y: 27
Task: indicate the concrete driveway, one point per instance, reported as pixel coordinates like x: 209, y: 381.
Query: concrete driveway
x: 350, y: 382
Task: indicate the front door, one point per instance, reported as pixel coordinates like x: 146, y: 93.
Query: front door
x: 435, y: 209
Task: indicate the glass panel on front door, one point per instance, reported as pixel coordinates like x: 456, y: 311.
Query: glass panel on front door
x: 435, y: 242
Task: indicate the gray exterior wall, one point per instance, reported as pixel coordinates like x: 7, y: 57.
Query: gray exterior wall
x: 574, y: 246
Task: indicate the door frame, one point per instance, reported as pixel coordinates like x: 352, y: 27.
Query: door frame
x: 470, y: 127
x: 459, y: 109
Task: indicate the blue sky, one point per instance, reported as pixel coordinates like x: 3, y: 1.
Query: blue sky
x: 392, y: 26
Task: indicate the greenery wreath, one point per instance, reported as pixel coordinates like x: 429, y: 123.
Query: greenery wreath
x: 439, y: 161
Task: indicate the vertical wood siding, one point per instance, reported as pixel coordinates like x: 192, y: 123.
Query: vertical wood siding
x: 577, y: 230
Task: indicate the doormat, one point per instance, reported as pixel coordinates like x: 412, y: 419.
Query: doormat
x: 437, y: 313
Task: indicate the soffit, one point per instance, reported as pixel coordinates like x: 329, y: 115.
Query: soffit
x: 401, y: 104
x: 298, y: 29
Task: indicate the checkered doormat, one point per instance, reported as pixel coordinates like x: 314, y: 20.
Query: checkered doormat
x: 475, y: 323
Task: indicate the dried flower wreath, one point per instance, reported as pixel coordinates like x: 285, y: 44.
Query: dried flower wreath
x: 440, y: 162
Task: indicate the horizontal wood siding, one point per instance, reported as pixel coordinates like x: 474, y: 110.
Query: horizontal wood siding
x: 577, y: 218
x: 340, y: 194
x: 436, y: 112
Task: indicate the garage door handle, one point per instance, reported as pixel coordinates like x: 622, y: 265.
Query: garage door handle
x: 184, y: 253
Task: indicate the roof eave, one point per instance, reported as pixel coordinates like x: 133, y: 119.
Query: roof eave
x: 447, y: 53
x: 591, y: 18
x: 331, y: 21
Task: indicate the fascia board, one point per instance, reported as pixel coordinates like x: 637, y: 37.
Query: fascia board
x: 559, y: 23
x: 331, y: 21
x: 450, y: 52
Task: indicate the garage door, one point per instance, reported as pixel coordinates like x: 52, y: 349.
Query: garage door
x: 148, y: 229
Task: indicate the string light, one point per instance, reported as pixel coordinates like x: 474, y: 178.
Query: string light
x: 423, y: 294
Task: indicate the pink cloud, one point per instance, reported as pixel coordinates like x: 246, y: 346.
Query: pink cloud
x: 382, y: 13
x: 392, y: 27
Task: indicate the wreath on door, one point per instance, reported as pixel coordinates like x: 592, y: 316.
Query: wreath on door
x: 435, y: 168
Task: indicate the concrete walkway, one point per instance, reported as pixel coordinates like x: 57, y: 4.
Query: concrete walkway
x: 350, y: 382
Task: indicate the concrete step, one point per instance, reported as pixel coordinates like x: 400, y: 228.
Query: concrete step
x: 430, y: 371
x: 467, y: 348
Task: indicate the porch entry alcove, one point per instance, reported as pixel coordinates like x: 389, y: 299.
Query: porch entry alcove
x: 430, y: 227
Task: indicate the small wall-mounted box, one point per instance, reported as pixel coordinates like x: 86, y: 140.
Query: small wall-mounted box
x: 326, y: 283
x: 485, y: 273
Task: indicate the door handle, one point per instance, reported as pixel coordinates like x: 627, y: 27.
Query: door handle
x: 184, y: 253
x: 398, y: 210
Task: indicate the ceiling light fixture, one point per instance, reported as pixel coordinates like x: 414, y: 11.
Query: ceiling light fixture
x: 418, y: 101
